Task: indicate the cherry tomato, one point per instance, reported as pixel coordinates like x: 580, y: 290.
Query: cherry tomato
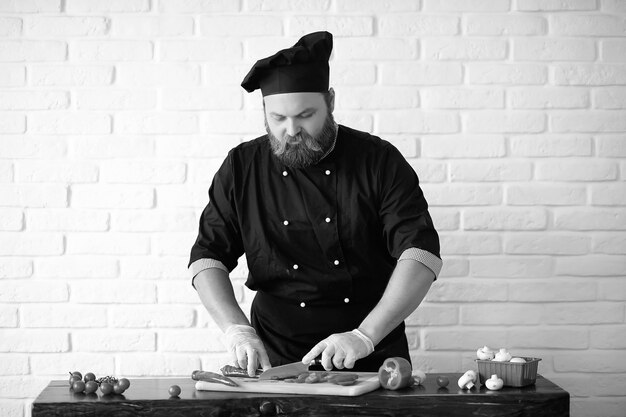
x: 73, y: 379
x: 174, y: 391
x: 91, y: 386
x: 442, y: 381
x: 395, y: 373
x: 125, y: 383
x: 106, y: 388
x: 118, y: 389
x: 78, y: 386
x: 89, y: 376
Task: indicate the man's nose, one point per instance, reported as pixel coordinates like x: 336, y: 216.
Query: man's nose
x: 292, y: 128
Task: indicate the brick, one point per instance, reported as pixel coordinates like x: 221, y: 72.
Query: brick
x: 609, y: 243
x: 454, y: 290
x: 8, y: 317
x: 546, y: 145
x: 608, y: 406
x: 75, y: 75
x: 156, y: 123
x: 496, y: 73
x: 587, y: 25
x: 429, y: 171
x: 339, y: 26
x: 200, y: 50
x: 173, y: 196
x: 579, y: 170
x: 219, y: 75
x: 504, y: 219
x: 157, y: 364
x: 445, y: 219
x: 10, y: 27
x: 105, y: 147
x: 173, y: 244
x: 608, y: 195
x: 49, y: 172
x: 107, y: 6
x: 52, y: 220
x: 489, y: 170
x: 455, y: 48
x: 591, y: 266
x: 589, y: 74
x: 30, y: 6
x: 564, y: 337
x: 190, y: 340
x: 6, y: 171
x: 591, y: 361
x: 418, y: 121
x: 542, y: 244
x: 440, y: 339
x: 70, y: 26
x: 495, y: 121
x: 55, y: 363
x: 111, y: 50
x: 146, y: 172
x: 44, y: 316
x: 34, y: 100
x: 155, y: 268
x: 76, y: 267
x: 616, y: 6
x: 151, y: 316
x: 12, y: 75
x: 500, y: 314
x: 356, y: 120
x: 22, y: 386
x: 433, y: 315
x: 198, y: 6
x: 16, y: 268
x: 546, y: 194
x: 116, y: 99
x: 608, y: 337
x: 463, y: 195
x: 14, y: 364
x: 27, y: 195
x: 153, y: 221
x: 435, y: 362
x: 368, y: 48
x: 612, y: 98
x: 35, y: 341
x: 552, y: 290
x: 463, y: 146
x: 12, y: 123
x: 473, y: 6
x: 32, y: 51
x: 376, y: 98
x: 232, y: 122
x: 69, y: 123
x: 112, y: 196
x: 113, y: 340
x: 195, y: 146
x: 157, y: 74
x: 555, y: 5
x: 407, y: 24
x: 595, y: 313
x: 511, y: 267
x: 421, y: 74
x: 549, y: 98
x: 147, y: 27
x: 363, y: 6
x: 31, y: 244
x: 589, y: 219
x: 603, y: 386
x: 220, y: 98
x: 29, y: 291
x: 505, y: 25
x: 596, y: 121
x: 462, y: 98
x: 176, y: 292
x: 11, y: 220
x: 112, y: 291
x: 108, y: 244
x: 612, y: 50
x: 240, y: 25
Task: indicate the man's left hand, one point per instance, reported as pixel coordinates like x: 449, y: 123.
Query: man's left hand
x: 341, y: 350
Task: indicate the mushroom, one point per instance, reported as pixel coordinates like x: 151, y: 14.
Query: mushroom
x: 485, y: 353
x: 467, y: 380
x: 494, y: 383
x: 518, y: 360
x: 502, y: 356
x: 419, y: 377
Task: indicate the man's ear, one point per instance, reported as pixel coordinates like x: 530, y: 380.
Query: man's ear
x: 331, y: 102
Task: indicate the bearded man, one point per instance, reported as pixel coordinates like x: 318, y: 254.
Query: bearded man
x: 336, y: 232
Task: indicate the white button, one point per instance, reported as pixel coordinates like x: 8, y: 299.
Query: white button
x: 336, y: 262
x: 284, y: 173
x: 285, y: 222
x: 327, y: 172
x: 303, y: 304
x: 295, y: 266
x: 327, y: 219
x: 346, y: 300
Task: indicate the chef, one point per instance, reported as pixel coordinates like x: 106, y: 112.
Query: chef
x: 336, y: 231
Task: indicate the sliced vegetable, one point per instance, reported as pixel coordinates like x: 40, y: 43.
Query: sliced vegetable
x: 395, y: 373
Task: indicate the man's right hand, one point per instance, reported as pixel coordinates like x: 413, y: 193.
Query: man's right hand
x: 246, y: 348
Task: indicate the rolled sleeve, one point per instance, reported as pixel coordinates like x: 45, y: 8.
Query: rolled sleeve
x: 430, y: 261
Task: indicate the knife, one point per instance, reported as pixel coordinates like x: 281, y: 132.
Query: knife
x: 290, y: 370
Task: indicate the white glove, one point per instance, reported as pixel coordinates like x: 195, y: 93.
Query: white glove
x: 246, y: 348
x: 341, y: 350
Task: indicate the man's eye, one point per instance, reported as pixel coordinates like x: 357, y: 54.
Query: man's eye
x: 279, y: 118
x: 306, y: 115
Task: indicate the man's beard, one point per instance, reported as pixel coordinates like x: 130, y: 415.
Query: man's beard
x: 308, y: 150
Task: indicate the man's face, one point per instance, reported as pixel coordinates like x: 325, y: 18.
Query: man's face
x: 300, y: 127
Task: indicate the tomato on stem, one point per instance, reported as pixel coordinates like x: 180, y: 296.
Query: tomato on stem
x: 395, y: 373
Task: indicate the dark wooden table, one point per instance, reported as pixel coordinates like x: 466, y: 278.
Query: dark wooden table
x: 149, y: 397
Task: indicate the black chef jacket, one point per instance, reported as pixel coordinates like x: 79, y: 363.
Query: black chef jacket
x: 320, y: 242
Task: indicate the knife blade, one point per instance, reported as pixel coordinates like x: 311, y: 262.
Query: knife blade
x: 289, y: 370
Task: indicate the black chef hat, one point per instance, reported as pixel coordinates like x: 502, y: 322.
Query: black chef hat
x: 303, y: 68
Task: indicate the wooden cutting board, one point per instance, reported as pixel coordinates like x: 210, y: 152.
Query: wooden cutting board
x: 367, y: 382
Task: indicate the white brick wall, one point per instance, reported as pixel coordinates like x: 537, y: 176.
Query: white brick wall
x: 115, y: 114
